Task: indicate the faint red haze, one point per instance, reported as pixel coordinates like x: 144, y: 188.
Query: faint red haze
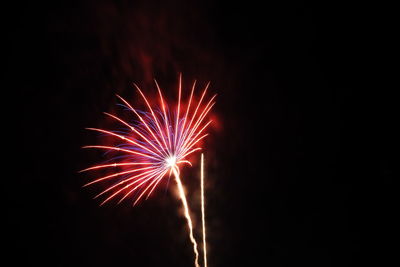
x: 146, y: 40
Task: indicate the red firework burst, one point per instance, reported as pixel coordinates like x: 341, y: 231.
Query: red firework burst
x: 162, y: 138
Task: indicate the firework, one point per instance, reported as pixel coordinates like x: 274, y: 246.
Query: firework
x: 154, y: 147
x: 203, y: 213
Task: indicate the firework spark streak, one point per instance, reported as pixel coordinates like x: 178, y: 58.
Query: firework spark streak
x: 203, y: 213
x: 155, y: 145
x: 187, y: 215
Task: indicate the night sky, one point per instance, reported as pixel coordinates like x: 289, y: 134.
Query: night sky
x: 299, y: 163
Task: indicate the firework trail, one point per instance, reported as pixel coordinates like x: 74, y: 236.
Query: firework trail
x: 203, y: 213
x: 187, y: 216
x: 157, y: 144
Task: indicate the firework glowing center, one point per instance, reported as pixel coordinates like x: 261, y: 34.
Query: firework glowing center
x: 171, y: 162
x: 152, y: 147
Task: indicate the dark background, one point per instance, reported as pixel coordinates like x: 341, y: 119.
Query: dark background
x: 300, y: 167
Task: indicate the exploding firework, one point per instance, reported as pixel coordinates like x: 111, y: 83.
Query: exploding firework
x: 154, y: 147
